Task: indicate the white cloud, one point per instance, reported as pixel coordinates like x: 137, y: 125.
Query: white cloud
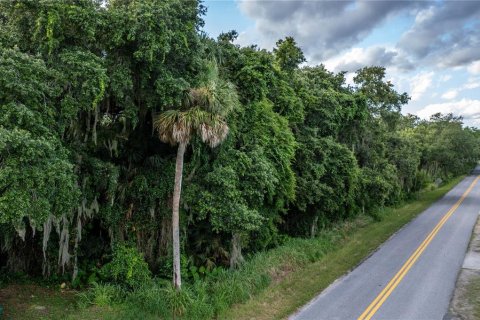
x: 420, y: 84
x: 472, y: 84
x: 333, y: 63
x: 349, y: 78
x: 321, y: 28
x: 356, y: 58
x: 468, y: 108
x: 424, y: 15
x: 450, y: 94
x: 474, y: 67
x: 445, y: 78
x: 248, y: 37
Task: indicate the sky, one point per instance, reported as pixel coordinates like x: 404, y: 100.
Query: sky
x: 430, y: 49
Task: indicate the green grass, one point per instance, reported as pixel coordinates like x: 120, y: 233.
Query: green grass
x: 283, y: 298
x: 271, y: 285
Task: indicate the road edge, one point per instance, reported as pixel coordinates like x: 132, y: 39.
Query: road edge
x: 282, y: 299
x: 461, y: 307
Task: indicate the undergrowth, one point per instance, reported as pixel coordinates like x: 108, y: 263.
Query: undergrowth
x: 208, y: 297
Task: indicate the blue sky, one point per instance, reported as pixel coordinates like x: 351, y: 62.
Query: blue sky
x: 431, y: 49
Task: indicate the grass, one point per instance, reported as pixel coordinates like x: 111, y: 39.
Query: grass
x: 473, y: 295
x: 283, y: 298
x: 271, y: 285
x: 34, y: 302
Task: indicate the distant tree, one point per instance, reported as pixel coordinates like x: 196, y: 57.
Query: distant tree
x: 382, y: 98
x: 287, y: 54
x: 205, y: 109
x: 229, y: 36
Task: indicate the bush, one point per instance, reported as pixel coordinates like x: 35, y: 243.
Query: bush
x: 208, y: 295
x: 101, y: 295
x: 127, y: 268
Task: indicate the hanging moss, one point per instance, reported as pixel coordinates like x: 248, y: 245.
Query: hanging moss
x: 81, y: 167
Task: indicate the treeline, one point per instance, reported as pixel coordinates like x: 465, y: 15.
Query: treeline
x: 82, y: 168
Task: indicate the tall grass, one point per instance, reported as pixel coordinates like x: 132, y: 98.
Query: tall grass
x: 208, y: 297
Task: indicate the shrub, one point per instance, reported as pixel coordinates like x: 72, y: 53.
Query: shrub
x: 101, y: 295
x: 127, y: 268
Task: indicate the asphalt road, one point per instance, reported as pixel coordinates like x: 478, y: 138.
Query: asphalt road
x: 413, y: 274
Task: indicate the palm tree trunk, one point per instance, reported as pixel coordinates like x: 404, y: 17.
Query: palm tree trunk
x: 177, y: 281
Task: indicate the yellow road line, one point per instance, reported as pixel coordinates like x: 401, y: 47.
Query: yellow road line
x: 380, y: 299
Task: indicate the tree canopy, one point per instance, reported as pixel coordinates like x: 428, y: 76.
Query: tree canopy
x: 83, y: 86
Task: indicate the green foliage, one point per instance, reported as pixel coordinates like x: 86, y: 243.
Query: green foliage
x: 323, y: 168
x: 177, y: 300
x: 81, y: 85
x: 448, y: 149
x: 101, y: 295
x: 383, y: 99
x: 287, y: 55
x: 379, y: 186
x: 127, y: 268
x: 207, y: 298
x: 37, y: 175
x: 251, y: 177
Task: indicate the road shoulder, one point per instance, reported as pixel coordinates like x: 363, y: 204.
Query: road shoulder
x: 465, y: 302
x: 283, y: 298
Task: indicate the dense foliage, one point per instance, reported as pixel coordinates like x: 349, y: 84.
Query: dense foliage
x: 82, y: 170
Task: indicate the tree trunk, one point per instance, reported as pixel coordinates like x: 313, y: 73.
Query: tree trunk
x: 313, y: 228
x: 177, y: 281
x: 236, y: 258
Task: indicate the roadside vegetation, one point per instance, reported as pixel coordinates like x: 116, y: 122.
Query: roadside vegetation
x: 300, y: 266
x: 134, y: 150
x: 473, y: 292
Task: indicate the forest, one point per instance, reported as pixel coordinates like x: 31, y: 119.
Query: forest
x: 135, y: 149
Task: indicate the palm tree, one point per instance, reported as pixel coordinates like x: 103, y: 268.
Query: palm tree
x: 204, y: 114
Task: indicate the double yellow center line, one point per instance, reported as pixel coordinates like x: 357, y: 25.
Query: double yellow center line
x: 380, y: 299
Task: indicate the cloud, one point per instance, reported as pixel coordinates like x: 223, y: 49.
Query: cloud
x: 419, y: 84
x: 322, y: 28
x: 474, y: 67
x: 356, y: 58
x: 468, y: 108
x: 445, y: 34
x: 450, y: 94
x: 445, y: 78
x: 472, y: 83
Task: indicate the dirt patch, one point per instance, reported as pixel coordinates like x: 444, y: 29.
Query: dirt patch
x: 35, y: 302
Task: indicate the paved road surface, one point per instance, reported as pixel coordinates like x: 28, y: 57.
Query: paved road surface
x: 412, y: 275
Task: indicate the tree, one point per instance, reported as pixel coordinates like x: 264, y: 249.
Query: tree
x: 383, y: 99
x: 206, y: 106
x: 37, y: 180
x: 288, y: 55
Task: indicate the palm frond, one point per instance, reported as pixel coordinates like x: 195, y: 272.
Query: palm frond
x: 173, y: 127
x: 207, y: 104
x: 214, y: 94
x: 213, y: 135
